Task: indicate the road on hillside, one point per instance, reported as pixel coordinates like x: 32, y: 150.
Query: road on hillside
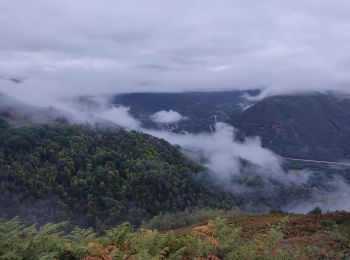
x: 316, y: 161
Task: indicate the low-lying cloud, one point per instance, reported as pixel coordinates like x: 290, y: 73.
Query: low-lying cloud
x: 254, y: 175
x: 120, y: 115
x: 332, y: 198
x: 221, y: 152
x: 166, y: 117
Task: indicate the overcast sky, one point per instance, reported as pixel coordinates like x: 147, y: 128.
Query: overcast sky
x: 69, y: 47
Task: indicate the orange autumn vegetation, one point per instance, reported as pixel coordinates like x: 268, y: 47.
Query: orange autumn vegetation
x: 239, y: 236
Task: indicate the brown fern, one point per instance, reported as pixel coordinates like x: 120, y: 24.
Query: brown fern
x: 101, y: 252
x: 207, y: 233
x: 209, y: 257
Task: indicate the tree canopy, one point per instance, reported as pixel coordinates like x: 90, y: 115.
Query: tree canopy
x: 95, y: 178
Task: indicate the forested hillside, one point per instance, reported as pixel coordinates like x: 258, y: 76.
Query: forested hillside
x: 313, y: 126
x: 94, y: 178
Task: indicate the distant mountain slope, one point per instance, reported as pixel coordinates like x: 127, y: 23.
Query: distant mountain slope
x: 312, y: 126
x: 200, y: 108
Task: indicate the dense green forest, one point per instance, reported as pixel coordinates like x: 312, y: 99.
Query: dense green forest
x: 95, y: 178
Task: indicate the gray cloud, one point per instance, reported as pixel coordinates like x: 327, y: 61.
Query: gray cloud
x: 65, y: 48
x: 61, y: 49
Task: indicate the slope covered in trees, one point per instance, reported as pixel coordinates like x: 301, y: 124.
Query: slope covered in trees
x: 95, y: 178
x: 315, y: 126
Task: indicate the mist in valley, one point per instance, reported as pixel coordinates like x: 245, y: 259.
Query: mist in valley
x: 257, y: 177
x: 54, y: 68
